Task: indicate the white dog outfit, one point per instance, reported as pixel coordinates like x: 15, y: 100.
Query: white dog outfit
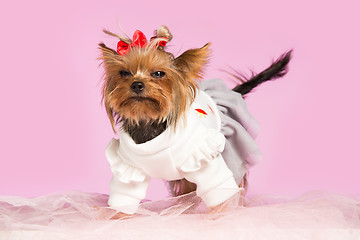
x: 212, y: 147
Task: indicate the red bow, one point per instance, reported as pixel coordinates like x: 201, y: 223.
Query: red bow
x: 139, y: 40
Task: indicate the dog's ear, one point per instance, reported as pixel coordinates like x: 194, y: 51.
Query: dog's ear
x: 192, y: 62
x: 107, y: 52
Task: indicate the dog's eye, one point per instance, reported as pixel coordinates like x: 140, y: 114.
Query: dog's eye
x: 124, y: 73
x: 158, y: 74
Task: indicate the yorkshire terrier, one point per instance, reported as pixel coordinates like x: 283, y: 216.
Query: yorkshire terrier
x: 148, y: 92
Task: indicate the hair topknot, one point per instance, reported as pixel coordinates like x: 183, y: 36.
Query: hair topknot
x: 163, y: 32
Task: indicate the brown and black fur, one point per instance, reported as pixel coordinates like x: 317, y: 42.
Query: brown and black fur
x: 148, y: 90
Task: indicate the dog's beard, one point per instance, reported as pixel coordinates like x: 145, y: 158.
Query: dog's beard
x: 140, y: 102
x: 141, y: 108
x: 143, y: 118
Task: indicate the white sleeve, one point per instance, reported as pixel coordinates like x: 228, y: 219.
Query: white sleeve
x: 128, y: 185
x: 208, y: 170
x: 125, y: 197
x: 215, y: 182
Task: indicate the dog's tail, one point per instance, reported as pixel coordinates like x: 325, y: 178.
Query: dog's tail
x: 276, y: 70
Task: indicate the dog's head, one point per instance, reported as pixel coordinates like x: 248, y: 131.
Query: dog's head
x: 143, y: 82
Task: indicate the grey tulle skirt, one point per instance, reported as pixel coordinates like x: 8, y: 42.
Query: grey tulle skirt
x: 238, y: 126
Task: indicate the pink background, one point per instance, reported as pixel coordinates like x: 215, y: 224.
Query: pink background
x: 54, y: 129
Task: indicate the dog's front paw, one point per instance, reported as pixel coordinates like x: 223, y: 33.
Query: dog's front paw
x: 121, y: 216
x: 110, y: 214
x: 219, y: 208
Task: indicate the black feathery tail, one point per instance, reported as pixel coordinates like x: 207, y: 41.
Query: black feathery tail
x: 277, y: 69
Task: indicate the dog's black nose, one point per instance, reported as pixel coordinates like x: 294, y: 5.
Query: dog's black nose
x: 137, y: 87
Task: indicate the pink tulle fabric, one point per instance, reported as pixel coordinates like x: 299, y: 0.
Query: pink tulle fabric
x: 76, y: 215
